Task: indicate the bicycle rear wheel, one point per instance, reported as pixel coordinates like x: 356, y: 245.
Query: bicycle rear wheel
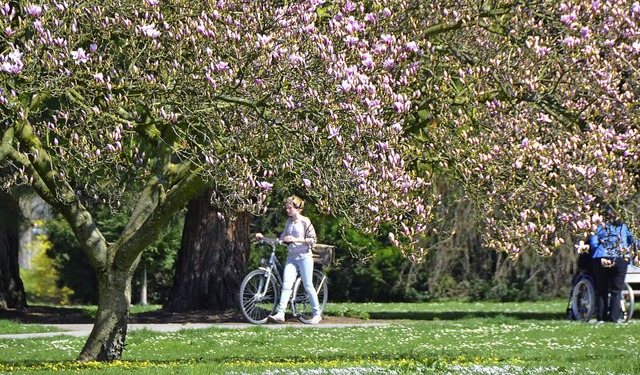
x: 301, y: 305
x: 258, y: 296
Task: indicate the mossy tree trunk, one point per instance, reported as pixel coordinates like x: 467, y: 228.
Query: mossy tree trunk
x: 107, y: 339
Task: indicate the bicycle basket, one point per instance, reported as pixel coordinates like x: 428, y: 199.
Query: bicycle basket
x: 323, y: 254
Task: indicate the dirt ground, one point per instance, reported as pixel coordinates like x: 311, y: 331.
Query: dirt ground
x: 63, y: 315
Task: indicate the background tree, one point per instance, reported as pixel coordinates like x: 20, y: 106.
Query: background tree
x: 212, y: 260
x: 42, y: 280
x: 12, y: 294
x: 532, y: 109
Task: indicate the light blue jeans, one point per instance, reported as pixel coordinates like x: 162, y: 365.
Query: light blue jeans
x: 291, y: 268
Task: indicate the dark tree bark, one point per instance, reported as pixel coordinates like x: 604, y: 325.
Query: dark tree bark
x: 212, y: 260
x: 12, y: 293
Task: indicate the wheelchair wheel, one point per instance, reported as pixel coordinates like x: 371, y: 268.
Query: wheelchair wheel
x: 583, y: 300
x: 627, y: 302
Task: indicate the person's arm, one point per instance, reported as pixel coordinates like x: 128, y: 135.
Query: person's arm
x: 310, y: 237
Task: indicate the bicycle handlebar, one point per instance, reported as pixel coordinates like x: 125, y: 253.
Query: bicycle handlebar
x: 270, y: 241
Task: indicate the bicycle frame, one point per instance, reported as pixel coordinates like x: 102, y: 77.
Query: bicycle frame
x: 272, y: 266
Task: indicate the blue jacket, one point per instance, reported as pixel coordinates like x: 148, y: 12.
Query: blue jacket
x: 610, y: 240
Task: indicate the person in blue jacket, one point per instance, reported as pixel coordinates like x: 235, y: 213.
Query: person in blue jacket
x: 611, y: 241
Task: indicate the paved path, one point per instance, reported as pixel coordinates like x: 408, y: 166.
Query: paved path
x: 83, y: 330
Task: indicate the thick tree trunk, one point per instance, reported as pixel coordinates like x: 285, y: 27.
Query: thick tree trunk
x: 12, y: 293
x: 107, y: 339
x: 212, y: 259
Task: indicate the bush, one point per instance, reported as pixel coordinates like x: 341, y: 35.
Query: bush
x: 42, y: 280
x: 76, y: 270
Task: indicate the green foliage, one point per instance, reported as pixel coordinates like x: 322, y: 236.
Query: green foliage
x: 70, y: 260
x: 42, y: 280
x: 367, y: 267
x: 77, y: 273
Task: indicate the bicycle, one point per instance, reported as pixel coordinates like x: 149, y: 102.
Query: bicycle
x: 260, y: 289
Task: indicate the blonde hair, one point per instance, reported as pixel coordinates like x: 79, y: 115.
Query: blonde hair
x: 296, y: 202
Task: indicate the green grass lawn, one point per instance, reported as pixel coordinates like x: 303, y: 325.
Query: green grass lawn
x: 424, y: 338
x: 8, y: 326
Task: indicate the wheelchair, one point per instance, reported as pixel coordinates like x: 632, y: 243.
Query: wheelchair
x: 582, y: 297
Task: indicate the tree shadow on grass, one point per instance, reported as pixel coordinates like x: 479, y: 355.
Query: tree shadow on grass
x: 57, y: 315
x: 47, y: 315
x: 69, y: 315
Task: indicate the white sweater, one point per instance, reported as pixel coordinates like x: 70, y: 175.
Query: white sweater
x: 302, y: 229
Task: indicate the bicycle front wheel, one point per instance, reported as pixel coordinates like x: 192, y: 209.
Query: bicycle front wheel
x: 258, y: 296
x: 301, y: 305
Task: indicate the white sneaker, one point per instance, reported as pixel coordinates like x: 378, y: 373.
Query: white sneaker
x: 277, y: 318
x: 316, y: 319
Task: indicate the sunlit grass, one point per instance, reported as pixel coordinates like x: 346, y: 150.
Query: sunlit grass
x: 8, y: 326
x: 448, y: 338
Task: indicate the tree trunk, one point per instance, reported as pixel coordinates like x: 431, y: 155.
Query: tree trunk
x: 212, y: 260
x: 12, y: 293
x: 107, y: 339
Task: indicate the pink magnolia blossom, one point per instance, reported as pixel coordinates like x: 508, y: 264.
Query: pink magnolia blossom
x: 12, y: 63
x: 367, y: 61
x: 80, y: 56
x: 264, y: 185
x: 99, y: 77
x: 345, y: 86
x: 333, y: 131
x: 34, y: 10
x: 412, y: 47
x: 222, y: 65
x: 150, y: 31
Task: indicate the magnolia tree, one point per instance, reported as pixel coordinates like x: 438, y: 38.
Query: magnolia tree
x: 532, y: 107
x: 163, y: 99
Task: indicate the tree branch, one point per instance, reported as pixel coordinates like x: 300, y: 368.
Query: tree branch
x: 157, y: 203
x: 59, y: 194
